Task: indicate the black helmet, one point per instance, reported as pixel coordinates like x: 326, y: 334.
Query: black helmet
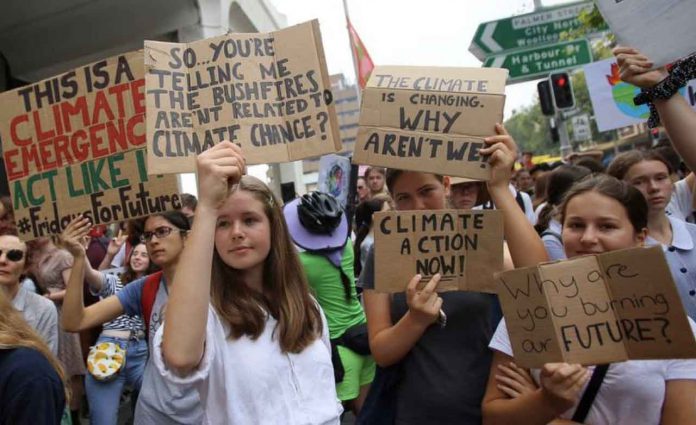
x: 319, y: 212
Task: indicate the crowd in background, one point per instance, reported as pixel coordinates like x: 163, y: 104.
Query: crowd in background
x: 238, y: 309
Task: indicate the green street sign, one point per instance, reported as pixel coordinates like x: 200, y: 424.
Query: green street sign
x: 528, y: 30
x: 538, y: 62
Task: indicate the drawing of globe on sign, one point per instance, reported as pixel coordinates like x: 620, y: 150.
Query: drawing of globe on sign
x: 623, y: 94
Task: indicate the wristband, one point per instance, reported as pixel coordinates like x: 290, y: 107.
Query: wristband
x: 680, y: 73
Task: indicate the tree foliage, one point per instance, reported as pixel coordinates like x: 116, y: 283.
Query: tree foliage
x: 530, y: 127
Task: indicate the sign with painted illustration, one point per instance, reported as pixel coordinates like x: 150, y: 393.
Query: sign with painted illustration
x: 268, y: 92
x: 464, y: 247
x: 334, y: 177
x: 430, y: 119
x: 663, y: 30
x: 612, y: 99
x: 75, y: 144
x: 596, y: 309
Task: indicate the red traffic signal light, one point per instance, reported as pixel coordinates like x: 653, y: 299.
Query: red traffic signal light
x: 562, y: 90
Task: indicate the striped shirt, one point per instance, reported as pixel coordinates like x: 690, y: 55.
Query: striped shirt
x: 111, y: 284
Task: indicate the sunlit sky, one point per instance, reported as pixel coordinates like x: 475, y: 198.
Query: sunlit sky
x: 408, y: 32
x: 404, y: 32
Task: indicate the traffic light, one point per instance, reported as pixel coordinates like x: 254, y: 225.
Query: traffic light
x: 546, y: 98
x: 562, y: 90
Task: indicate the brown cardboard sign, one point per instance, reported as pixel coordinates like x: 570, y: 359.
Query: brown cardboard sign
x: 617, y: 306
x: 75, y: 143
x: 268, y: 92
x: 465, y: 247
x: 430, y: 119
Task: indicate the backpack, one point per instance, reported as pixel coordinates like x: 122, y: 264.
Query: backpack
x: 147, y: 298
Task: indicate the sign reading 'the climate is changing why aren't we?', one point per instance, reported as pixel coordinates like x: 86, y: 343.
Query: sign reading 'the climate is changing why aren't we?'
x: 430, y: 119
x: 617, y: 306
x: 268, y: 92
x: 464, y: 247
x: 75, y: 144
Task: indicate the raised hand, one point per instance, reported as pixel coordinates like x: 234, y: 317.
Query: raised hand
x: 562, y: 383
x: 514, y: 381
x: 636, y: 69
x: 116, y: 243
x: 218, y: 168
x: 72, y: 238
x: 502, y: 152
x: 424, y: 305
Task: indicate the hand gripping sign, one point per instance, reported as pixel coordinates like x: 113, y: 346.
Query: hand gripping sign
x: 430, y: 119
x: 268, y: 92
x: 596, y: 309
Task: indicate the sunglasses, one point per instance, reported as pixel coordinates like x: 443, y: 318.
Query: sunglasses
x: 13, y: 255
x: 161, y: 232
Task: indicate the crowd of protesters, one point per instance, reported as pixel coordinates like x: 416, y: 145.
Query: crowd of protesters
x: 238, y: 309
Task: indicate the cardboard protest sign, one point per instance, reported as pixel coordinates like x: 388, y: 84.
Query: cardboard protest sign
x: 75, y: 143
x: 662, y: 30
x: 430, y: 119
x: 268, y: 92
x: 465, y: 247
x: 617, y: 306
x: 612, y: 99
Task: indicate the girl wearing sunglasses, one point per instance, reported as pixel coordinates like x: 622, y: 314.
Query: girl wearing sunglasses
x: 38, y: 311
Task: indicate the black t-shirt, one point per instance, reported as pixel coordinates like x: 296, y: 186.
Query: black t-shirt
x: 444, y: 376
x: 31, y: 391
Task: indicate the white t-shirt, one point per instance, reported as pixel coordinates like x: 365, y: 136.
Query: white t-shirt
x: 632, y: 392
x: 246, y: 381
x: 681, y: 203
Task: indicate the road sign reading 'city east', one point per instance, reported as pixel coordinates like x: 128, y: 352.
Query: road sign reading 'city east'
x: 538, y: 62
x: 529, y: 30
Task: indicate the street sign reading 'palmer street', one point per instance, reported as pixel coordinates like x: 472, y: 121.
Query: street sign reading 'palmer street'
x: 528, y: 30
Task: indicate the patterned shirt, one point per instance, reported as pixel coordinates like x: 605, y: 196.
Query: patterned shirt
x: 111, y: 284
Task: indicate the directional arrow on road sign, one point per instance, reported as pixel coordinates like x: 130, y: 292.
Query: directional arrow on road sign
x: 538, y: 62
x: 528, y: 30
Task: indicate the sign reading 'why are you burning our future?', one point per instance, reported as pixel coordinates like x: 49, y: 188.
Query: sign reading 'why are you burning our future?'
x: 75, y: 144
x: 430, y: 119
x: 464, y: 247
x: 617, y: 306
x: 268, y: 92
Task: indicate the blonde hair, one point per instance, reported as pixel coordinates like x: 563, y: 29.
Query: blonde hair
x: 15, y: 332
x: 285, y: 294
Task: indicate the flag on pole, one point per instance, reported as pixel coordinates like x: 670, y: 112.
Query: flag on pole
x: 362, y: 59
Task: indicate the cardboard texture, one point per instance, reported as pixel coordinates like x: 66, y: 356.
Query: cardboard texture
x: 430, y: 119
x: 598, y: 309
x: 465, y: 247
x: 662, y: 30
x: 75, y: 143
x: 268, y: 92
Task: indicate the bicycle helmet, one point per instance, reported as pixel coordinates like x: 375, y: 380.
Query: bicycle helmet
x: 319, y: 212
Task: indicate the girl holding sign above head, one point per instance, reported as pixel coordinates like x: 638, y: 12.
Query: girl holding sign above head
x: 241, y: 324
x: 599, y: 214
x: 442, y: 369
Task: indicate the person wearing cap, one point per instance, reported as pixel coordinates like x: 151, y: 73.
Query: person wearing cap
x: 465, y: 193
x: 319, y: 228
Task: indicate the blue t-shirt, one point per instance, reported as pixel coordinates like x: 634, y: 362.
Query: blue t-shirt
x: 159, y: 402
x: 31, y: 391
